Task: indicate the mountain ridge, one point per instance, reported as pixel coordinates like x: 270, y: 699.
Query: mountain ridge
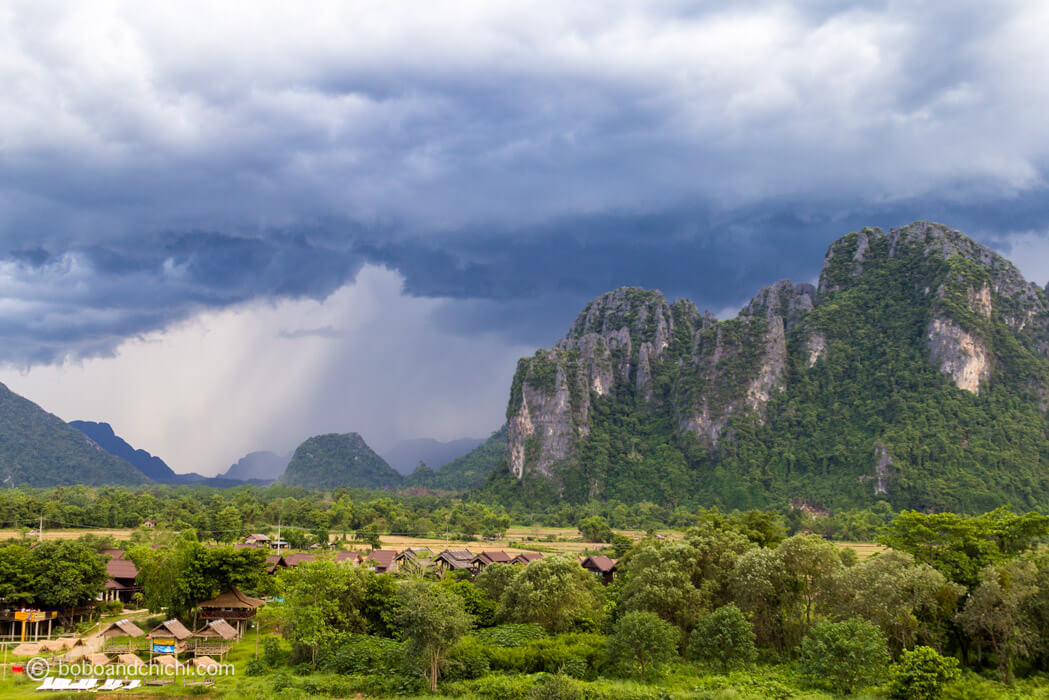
x: 644, y: 399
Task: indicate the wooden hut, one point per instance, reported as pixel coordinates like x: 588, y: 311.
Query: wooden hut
x: 232, y: 606
x: 168, y: 637
x: 122, y: 635
x: 130, y: 660
x: 453, y: 560
x: 214, y: 639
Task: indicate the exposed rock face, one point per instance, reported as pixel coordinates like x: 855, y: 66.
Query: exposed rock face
x: 614, y: 340
x: 958, y: 354
x: 882, y: 469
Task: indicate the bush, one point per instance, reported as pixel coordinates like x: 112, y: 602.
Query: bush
x: 844, y: 656
x: 724, y: 637
x: 578, y: 655
x: 273, y: 651
x: 358, y: 653
x: 467, y: 661
x: 556, y: 687
x: 643, y: 642
x: 921, y: 674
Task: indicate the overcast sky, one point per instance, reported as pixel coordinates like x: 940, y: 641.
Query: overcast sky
x: 227, y: 228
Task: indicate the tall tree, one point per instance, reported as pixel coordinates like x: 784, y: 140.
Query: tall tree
x: 554, y: 592
x: 432, y: 620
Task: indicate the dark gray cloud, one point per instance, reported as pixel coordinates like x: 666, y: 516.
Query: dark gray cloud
x: 163, y: 159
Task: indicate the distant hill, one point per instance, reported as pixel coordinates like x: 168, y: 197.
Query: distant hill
x: 263, y: 466
x: 466, y: 472
x: 406, y: 454
x: 330, y: 461
x: 40, y: 449
x: 104, y: 437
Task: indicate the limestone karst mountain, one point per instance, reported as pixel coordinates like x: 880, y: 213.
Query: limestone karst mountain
x: 917, y: 371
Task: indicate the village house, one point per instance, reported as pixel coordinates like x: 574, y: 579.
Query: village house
x: 601, y: 566
x: 232, y: 605
x: 352, y: 558
x: 526, y: 558
x: 121, y: 583
x: 483, y: 559
x: 453, y: 560
x: 382, y: 561
x: 414, y: 561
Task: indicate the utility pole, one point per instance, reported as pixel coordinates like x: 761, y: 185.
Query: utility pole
x: 40, y: 532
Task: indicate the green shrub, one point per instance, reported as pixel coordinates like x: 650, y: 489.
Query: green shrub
x: 556, y: 687
x: 578, y: 655
x: 724, y: 637
x: 844, y: 656
x: 274, y: 652
x: 921, y: 674
x: 358, y: 653
x: 467, y: 661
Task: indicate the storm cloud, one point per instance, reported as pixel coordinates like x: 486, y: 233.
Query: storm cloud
x: 167, y: 160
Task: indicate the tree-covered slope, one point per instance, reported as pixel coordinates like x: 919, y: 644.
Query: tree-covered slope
x: 467, y: 472
x: 102, y: 434
x: 39, y: 449
x: 917, y: 373
x: 333, y: 460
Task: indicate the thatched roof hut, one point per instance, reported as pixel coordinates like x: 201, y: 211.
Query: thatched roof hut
x: 217, y: 629
x: 170, y: 629
x: 27, y: 649
x: 123, y: 628
x: 167, y: 661
x: 230, y: 605
x: 130, y: 660
x: 204, y: 662
x: 97, y: 659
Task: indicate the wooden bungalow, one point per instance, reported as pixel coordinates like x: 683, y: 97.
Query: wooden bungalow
x: 601, y: 566
x: 168, y: 637
x: 293, y: 560
x: 453, y: 560
x: 382, y: 561
x: 122, y: 636
x: 351, y: 558
x: 485, y: 558
x: 414, y: 561
x: 526, y: 558
x: 275, y: 563
x: 257, y: 540
x: 214, y: 639
x: 121, y: 584
x: 231, y: 606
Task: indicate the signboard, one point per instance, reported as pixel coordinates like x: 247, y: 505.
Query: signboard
x: 163, y: 648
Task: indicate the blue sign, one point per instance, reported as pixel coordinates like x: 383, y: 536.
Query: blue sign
x: 163, y: 649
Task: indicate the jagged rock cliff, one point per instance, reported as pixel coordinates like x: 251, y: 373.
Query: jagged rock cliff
x: 897, y: 322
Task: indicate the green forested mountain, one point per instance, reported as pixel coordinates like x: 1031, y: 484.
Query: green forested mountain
x: 915, y: 373
x: 333, y: 460
x: 466, y: 472
x: 39, y: 449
